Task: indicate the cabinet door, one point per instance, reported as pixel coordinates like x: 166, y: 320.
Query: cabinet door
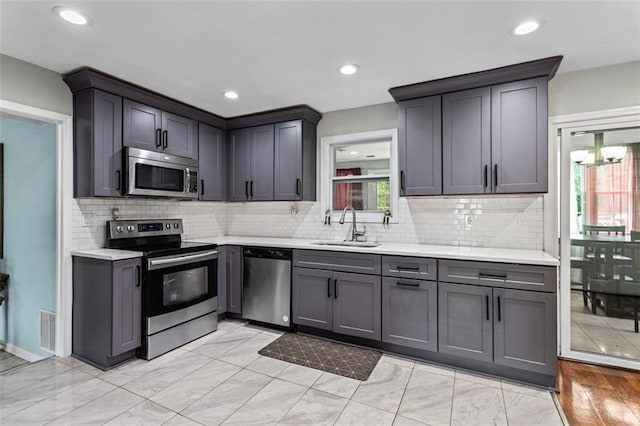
x: 107, y: 145
x: 261, y: 184
x: 234, y: 291
x: 141, y: 126
x: 211, y: 164
x: 223, y: 275
x: 288, y: 161
x: 127, y: 306
x: 410, y: 313
x: 519, y: 136
x: 524, y: 328
x: 356, y: 309
x: 179, y: 136
x: 420, y: 146
x: 240, y: 161
x: 466, y: 142
x: 464, y: 321
x: 312, y: 298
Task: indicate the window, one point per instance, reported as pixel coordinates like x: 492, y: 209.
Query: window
x: 359, y: 170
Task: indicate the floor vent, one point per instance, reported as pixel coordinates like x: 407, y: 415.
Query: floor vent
x: 48, y: 330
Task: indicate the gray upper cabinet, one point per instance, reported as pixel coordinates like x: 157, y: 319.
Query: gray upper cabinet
x: 357, y: 310
x: 149, y: 128
x: 251, y: 159
x: 466, y: 142
x: 420, y: 146
x: 295, y: 161
x: 211, y: 163
x: 465, y: 327
x: 410, y: 313
x: 97, y: 145
x: 312, y: 298
x: 234, y: 260
x: 525, y: 330
x: 240, y: 164
x: 519, y: 136
x: 261, y: 184
x: 127, y: 306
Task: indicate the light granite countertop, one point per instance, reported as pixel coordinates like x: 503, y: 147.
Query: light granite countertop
x: 486, y: 254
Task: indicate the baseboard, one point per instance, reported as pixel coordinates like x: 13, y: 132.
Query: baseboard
x: 19, y: 352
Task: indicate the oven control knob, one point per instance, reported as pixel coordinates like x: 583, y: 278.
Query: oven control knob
x: 130, y: 228
x: 175, y: 225
x: 168, y: 226
x: 119, y: 229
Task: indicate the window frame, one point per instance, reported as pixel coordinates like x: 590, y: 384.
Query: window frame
x: 327, y: 163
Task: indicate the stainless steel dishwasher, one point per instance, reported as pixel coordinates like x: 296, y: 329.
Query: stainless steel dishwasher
x: 266, y: 288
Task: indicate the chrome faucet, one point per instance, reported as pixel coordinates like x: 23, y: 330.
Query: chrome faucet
x: 355, y: 234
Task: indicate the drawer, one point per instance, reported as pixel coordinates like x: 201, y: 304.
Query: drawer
x: 421, y: 268
x: 338, y: 261
x: 505, y: 275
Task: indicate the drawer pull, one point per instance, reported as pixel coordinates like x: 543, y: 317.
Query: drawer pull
x: 499, y: 313
x: 408, y: 284
x: 486, y: 276
x: 335, y: 289
x: 408, y: 268
x: 486, y: 298
x: 329, y: 287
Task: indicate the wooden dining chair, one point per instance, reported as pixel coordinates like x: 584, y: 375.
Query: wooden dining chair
x: 602, y: 229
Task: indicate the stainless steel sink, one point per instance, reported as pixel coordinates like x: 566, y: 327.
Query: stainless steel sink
x: 347, y: 243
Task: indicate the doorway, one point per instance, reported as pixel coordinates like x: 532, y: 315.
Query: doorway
x: 599, y: 199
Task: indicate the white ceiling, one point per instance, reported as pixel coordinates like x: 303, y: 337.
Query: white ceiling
x: 283, y: 53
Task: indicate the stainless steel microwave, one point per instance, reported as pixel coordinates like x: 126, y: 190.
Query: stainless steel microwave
x: 155, y: 174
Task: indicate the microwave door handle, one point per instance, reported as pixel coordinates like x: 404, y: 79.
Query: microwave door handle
x: 187, y: 180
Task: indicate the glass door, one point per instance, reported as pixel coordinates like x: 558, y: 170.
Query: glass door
x: 600, y: 243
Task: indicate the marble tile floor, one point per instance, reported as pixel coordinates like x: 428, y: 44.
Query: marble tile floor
x: 601, y: 334
x: 9, y: 361
x: 221, y: 379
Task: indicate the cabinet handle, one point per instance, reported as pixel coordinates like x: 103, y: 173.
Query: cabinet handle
x: 408, y: 284
x: 251, y: 189
x: 402, y: 180
x: 329, y: 287
x: 118, y: 181
x: 246, y: 188
x: 486, y: 175
x: 158, y: 138
x: 297, y: 186
x: 499, y: 313
x: 165, y: 139
x: 139, y: 275
x: 408, y: 268
x: 201, y: 186
x: 495, y: 175
x: 486, y: 299
x: 335, y: 289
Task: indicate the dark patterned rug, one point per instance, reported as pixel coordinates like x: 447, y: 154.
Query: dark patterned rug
x: 349, y: 361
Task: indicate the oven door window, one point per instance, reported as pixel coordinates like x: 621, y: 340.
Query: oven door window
x: 159, y: 178
x: 174, y: 288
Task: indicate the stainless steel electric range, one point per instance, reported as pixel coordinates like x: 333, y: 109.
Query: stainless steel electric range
x: 179, y: 282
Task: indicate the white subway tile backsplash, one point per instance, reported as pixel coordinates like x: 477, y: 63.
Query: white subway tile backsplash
x: 492, y: 221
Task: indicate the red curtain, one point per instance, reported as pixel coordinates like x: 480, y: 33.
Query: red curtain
x: 348, y: 193
x: 612, y: 192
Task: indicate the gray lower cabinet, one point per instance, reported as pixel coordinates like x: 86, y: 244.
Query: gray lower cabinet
x: 251, y: 161
x: 524, y: 330
x: 420, y: 146
x: 465, y: 328
x: 410, y: 313
x: 234, y: 278
x: 107, y: 310
x: 97, y: 144
x: 222, y: 275
x: 340, y: 302
x: 512, y: 328
x: 211, y: 163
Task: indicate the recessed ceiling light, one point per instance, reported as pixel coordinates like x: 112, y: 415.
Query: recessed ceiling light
x: 71, y: 16
x: 526, y: 27
x: 230, y: 94
x: 349, y: 69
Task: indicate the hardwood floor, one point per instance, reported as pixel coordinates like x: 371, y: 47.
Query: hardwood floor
x: 594, y: 395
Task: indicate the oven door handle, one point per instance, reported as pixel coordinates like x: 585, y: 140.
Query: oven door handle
x: 181, y: 260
